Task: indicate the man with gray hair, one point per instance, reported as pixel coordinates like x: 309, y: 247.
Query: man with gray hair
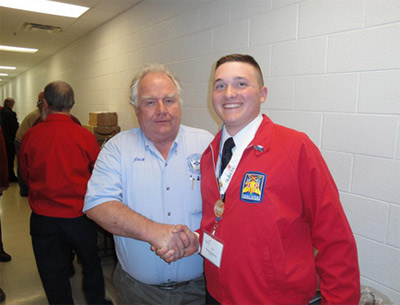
x: 56, y: 159
x: 145, y: 181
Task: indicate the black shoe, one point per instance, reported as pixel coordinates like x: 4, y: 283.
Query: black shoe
x: 2, y: 295
x: 4, y: 257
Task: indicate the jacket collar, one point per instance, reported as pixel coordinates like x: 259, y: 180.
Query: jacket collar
x: 57, y: 117
x: 260, y: 142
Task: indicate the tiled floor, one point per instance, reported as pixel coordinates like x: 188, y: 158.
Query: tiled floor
x: 19, y: 278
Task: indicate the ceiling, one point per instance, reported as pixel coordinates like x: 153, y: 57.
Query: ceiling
x: 14, y: 33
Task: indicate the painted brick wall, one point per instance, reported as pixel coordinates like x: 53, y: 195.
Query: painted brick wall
x: 332, y: 68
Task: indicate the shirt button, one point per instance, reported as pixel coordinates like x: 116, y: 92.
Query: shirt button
x: 169, y: 213
x: 167, y: 188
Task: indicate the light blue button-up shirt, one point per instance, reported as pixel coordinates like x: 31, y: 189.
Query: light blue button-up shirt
x: 131, y: 170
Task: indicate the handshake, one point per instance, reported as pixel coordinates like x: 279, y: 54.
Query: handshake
x: 172, y: 242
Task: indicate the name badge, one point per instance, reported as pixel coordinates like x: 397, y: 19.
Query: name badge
x: 212, y: 249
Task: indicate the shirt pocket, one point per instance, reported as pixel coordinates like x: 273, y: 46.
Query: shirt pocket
x: 193, y: 193
x: 193, y: 181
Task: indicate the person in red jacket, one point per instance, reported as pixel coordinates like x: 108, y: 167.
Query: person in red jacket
x: 56, y: 159
x: 271, y: 207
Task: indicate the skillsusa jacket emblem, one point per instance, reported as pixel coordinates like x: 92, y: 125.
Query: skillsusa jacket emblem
x: 252, y: 188
x: 194, y: 163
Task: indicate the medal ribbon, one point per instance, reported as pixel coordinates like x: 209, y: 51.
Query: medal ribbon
x: 226, y: 177
x: 230, y: 169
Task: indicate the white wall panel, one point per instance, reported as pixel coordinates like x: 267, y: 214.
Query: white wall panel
x: 337, y: 92
x: 299, y: 57
x: 274, y: 26
x: 380, y: 92
x: 369, y: 49
x: 340, y: 165
x: 319, y: 17
x: 367, y: 217
x: 360, y: 134
x: 377, y: 178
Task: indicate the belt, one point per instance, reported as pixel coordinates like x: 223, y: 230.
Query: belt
x: 171, y: 286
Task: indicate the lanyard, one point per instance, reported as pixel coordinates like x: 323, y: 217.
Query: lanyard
x: 226, y: 177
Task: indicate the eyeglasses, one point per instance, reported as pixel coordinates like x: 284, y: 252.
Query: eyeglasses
x: 39, y: 102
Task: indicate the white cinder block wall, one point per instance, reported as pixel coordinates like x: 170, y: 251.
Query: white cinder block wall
x: 332, y: 68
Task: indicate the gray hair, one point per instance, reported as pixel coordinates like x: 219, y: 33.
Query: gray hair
x: 151, y: 68
x: 59, y: 96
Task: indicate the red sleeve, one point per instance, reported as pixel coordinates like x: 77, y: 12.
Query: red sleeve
x: 336, y: 261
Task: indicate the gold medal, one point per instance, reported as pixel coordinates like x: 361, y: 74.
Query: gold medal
x: 219, y: 208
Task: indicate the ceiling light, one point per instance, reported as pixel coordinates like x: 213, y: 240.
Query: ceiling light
x: 3, y: 74
x: 7, y: 68
x: 46, y: 7
x: 17, y: 49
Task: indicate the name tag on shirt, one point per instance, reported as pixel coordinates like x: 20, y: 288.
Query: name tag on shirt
x: 212, y: 249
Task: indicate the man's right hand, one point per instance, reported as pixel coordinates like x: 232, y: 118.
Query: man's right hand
x: 173, y: 238
x: 189, y: 239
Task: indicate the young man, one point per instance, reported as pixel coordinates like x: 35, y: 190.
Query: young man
x: 273, y: 204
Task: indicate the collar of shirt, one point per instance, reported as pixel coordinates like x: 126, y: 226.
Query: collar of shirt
x: 58, y: 117
x: 241, y: 139
x: 150, y: 146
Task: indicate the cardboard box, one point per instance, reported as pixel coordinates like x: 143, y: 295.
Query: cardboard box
x: 102, y: 118
x: 103, y: 132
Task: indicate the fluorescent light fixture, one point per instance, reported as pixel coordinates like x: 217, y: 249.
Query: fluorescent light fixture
x: 46, y: 7
x: 17, y: 49
x: 7, y: 68
x: 3, y: 74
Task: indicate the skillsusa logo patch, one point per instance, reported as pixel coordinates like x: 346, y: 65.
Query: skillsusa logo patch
x: 193, y: 162
x: 252, y: 188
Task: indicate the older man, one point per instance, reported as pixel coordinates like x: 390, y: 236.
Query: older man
x: 146, y: 180
x: 56, y: 160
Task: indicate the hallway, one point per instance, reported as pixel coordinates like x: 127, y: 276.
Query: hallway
x: 19, y: 278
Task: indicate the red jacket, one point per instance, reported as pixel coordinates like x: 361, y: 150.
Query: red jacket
x: 281, y: 203
x: 56, y: 159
